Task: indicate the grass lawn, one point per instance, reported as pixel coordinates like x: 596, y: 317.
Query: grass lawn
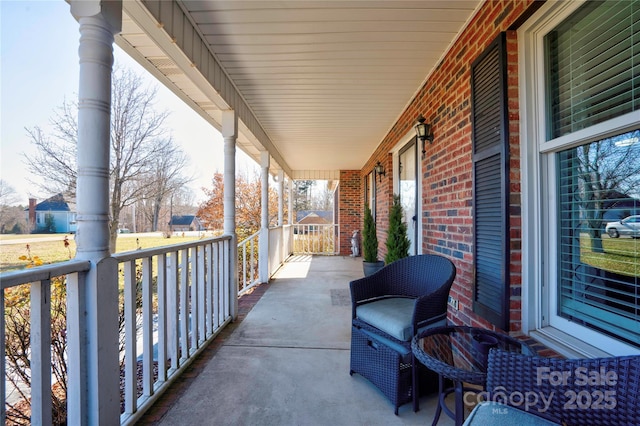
x: 620, y: 255
x: 50, y: 248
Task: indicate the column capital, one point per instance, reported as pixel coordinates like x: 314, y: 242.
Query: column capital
x: 265, y: 160
x: 229, y: 124
x: 109, y: 10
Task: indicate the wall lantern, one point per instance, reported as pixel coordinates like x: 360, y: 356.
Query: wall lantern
x: 424, y: 133
x: 379, y: 170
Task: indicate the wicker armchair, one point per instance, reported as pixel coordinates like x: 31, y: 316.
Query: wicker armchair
x: 571, y: 392
x: 388, y: 308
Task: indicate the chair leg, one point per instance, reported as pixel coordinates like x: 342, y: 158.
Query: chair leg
x: 415, y: 384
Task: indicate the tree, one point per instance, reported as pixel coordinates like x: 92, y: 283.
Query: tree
x: 323, y: 199
x: 397, y: 241
x: 302, y: 194
x: 166, y: 174
x: 248, y: 205
x: 606, y: 169
x: 139, y: 142
x: 12, y: 218
x: 8, y: 194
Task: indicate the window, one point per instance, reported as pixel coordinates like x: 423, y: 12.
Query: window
x: 581, y: 171
x: 370, y: 193
x: 407, y: 180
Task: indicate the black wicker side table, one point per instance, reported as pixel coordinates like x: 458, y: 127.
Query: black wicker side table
x: 460, y: 353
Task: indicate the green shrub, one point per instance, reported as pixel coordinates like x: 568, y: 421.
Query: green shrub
x: 369, y: 237
x: 397, y: 240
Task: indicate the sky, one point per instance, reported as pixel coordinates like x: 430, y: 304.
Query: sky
x: 39, y: 71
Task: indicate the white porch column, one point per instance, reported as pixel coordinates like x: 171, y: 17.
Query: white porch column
x: 230, y: 134
x: 281, y: 198
x: 92, y: 312
x: 264, y: 222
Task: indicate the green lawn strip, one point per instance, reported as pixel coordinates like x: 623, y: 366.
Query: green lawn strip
x: 55, y: 251
x: 620, y: 255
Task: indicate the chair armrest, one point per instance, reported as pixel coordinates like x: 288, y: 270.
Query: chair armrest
x: 366, y: 288
x: 430, y: 306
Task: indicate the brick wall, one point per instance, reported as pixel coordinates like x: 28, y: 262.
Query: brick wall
x: 446, y: 204
x: 350, y: 207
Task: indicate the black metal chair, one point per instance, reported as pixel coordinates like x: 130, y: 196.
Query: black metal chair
x: 571, y: 392
x: 389, y: 307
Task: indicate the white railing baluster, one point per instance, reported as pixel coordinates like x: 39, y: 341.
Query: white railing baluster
x: 147, y: 326
x: 226, y: 271
x: 130, y: 331
x: 162, y: 317
x: 200, y: 284
x: 193, y: 254
x: 216, y: 286
x: 41, y: 406
x: 252, y: 272
x: 184, y: 304
x: 209, y: 289
x: 244, y: 265
x: 173, y: 311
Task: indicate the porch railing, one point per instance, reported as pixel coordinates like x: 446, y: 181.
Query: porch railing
x: 280, y: 247
x: 316, y: 239
x: 181, y: 292
x: 39, y: 281
x: 248, y: 263
x: 174, y: 299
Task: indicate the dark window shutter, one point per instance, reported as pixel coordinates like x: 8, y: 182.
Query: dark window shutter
x: 491, y: 184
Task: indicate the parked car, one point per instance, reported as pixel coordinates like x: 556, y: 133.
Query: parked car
x: 630, y: 225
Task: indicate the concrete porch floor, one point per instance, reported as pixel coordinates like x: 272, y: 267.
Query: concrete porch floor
x: 286, y: 360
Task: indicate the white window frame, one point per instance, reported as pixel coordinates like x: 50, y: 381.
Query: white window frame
x: 539, y: 211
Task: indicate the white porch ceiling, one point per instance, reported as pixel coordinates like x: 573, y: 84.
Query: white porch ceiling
x: 325, y: 80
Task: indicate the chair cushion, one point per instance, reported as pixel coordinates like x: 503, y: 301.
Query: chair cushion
x: 392, y: 315
x: 497, y: 414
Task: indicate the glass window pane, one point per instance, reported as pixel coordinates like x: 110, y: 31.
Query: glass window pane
x: 593, y: 64
x: 599, y: 241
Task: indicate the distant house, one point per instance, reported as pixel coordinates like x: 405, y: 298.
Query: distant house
x: 53, y: 215
x: 314, y: 216
x: 185, y: 223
